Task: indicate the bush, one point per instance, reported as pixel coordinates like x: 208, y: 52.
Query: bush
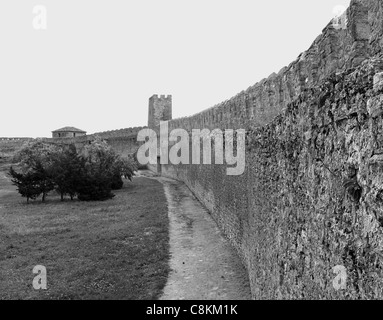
x: 138, y: 165
x: 117, y: 182
x: 36, y: 165
x: 94, y: 188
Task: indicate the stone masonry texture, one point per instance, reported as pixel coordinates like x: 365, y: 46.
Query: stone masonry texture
x: 311, y: 197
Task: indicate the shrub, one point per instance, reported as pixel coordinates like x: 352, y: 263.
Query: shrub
x: 117, y: 182
x: 94, y: 188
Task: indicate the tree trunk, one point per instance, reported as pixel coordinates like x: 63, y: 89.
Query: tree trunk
x: 62, y: 196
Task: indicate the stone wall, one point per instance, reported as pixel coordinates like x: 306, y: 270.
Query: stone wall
x: 375, y: 18
x: 5, y: 140
x: 311, y: 197
x: 123, y: 141
x: 332, y: 51
x: 9, y: 146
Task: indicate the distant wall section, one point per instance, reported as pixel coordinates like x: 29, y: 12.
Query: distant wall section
x: 123, y: 141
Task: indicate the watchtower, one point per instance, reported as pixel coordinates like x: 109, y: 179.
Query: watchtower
x: 160, y: 109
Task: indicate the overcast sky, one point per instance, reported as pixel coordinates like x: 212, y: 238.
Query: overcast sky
x: 99, y: 61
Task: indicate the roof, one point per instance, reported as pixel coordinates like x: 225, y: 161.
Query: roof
x: 69, y: 129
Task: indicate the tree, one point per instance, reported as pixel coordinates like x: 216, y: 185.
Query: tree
x: 36, y: 153
x: 33, y: 183
x: 26, y: 184
x: 126, y: 167
x: 68, y: 169
x: 101, y: 158
x: 122, y: 167
x: 97, y: 178
x: 36, y: 164
x: 44, y: 179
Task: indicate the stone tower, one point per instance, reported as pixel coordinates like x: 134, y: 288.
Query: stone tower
x: 160, y: 109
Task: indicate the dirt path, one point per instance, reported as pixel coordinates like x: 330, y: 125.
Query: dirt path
x: 204, y: 265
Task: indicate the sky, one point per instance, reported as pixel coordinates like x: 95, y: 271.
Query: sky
x: 96, y: 63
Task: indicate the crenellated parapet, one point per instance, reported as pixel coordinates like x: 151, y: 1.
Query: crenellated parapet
x: 3, y: 139
x: 106, y: 135
x: 123, y: 141
x: 335, y: 50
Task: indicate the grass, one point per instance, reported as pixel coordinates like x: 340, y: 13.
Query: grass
x: 117, y: 249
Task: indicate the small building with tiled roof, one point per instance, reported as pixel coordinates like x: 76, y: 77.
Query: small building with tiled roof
x: 68, y: 132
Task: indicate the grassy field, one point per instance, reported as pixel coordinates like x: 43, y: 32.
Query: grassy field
x: 118, y: 249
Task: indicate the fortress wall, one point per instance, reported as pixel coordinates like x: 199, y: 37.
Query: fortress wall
x: 332, y: 51
x: 123, y: 141
x: 9, y: 146
x: 124, y: 146
x: 5, y: 140
x: 311, y: 195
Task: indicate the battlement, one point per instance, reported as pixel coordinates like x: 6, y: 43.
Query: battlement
x: 161, y: 97
x: 118, y: 133
x: 14, y: 139
x: 112, y: 134
x: 335, y: 50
